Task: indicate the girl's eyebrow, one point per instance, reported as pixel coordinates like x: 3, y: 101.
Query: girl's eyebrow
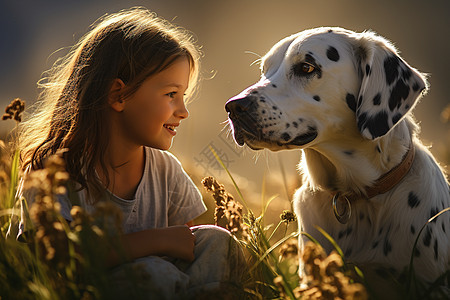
x: 173, y: 84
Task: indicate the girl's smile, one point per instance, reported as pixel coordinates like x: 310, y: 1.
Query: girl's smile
x: 171, y: 128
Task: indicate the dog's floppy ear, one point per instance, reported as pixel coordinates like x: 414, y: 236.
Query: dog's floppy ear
x: 389, y: 87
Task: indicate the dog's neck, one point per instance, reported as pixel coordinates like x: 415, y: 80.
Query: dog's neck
x: 352, y: 164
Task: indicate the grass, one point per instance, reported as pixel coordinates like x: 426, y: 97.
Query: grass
x: 55, y: 259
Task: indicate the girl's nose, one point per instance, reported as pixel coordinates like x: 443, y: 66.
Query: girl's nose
x: 181, y: 111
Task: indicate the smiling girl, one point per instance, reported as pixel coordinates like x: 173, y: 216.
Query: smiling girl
x: 115, y: 103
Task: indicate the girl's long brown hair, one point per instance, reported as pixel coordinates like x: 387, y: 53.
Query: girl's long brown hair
x: 71, y: 111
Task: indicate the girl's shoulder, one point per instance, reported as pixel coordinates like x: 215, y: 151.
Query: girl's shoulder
x: 161, y: 158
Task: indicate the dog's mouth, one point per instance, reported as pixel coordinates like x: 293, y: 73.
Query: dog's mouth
x: 304, y: 139
x: 245, y: 133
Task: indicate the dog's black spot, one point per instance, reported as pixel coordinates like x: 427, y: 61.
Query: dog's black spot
x: 262, y: 100
x: 435, y: 248
x: 254, y: 92
x: 300, y: 120
x: 362, y: 120
x: 270, y: 118
x: 287, y: 125
x: 317, y: 98
x: 329, y: 30
x: 351, y: 101
x: 271, y: 133
x: 263, y: 111
x: 377, y: 99
x: 387, y: 247
x: 341, y: 234
x: 433, y: 212
x: 415, y: 87
x: 391, y: 64
x: 413, y: 229
x: 348, y: 152
x: 274, y: 85
x: 396, y: 118
x: 399, y: 92
x: 332, y: 54
x: 374, y: 245
x: 360, y: 100
x: 368, y: 70
x: 285, y: 136
x: 406, y: 74
x: 413, y: 200
x: 378, y: 125
x: 295, y: 124
x: 274, y: 107
x: 427, y: 237
x: 348, y: 231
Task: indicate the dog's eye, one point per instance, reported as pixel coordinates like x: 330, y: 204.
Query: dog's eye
x: 303, y: 69
x: 307, y: 68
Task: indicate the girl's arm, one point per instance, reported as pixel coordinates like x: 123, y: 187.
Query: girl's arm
x: 173, y: 241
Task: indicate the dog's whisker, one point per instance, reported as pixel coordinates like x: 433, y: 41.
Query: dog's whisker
x: 254, y: 53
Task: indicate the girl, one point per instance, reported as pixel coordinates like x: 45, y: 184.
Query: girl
x: 115, y: 102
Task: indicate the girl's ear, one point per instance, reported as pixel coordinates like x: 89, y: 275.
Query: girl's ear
x: 115, y: 99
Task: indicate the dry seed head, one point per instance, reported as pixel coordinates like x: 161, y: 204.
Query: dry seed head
x: 228, y: 212
x: 324, y: 277
x: 288, y: 216
x: 14, y: 110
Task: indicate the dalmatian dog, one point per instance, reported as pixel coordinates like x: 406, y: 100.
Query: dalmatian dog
x: 344, y: 99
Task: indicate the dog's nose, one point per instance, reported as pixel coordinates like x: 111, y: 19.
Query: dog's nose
x: 238, y: 105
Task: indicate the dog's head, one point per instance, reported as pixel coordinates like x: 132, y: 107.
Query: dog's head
x: 321, y: 82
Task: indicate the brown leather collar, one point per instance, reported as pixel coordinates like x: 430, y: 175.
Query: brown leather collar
x: 382, y: 185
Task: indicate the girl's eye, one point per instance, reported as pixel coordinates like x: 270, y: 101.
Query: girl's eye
x: 171, y: 94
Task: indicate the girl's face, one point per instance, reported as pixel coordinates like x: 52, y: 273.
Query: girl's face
x: 152, y: 114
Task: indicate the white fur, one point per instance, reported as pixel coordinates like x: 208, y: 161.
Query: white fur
x: 346, y: 156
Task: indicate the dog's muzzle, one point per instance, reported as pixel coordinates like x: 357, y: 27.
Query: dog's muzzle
x: 249, y: 128
x: 242, y: 113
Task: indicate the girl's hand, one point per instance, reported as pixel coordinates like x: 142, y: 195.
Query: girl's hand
x: 178, y: 242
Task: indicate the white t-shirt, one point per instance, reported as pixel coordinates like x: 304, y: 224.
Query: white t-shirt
x: 165, y: 196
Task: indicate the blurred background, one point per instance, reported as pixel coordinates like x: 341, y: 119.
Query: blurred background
x: 233, y: 34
